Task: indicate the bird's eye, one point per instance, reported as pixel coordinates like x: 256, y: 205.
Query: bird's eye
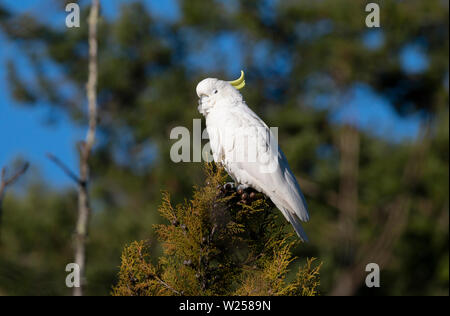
x: 215, y: 91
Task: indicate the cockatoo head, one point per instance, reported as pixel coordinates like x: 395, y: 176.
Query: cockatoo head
x: 214, y: 93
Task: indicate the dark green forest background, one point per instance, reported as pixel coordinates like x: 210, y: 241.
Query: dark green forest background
x: 372, y: 197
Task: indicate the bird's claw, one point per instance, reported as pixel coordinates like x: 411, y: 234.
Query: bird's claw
x: 245, y: 193
x: 242, y: 187
x: 227, y: 187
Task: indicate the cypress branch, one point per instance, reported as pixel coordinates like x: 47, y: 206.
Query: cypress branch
x: 217, y: 244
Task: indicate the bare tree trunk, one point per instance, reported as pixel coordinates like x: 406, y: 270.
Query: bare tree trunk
x: 85, y: 150
x: 84, y: 209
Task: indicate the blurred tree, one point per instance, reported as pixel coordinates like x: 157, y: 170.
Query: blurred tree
x: 367, y: 194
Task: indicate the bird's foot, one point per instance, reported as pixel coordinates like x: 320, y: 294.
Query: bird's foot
x: 227, y: 188
x: 247, y: 194
x: 242, y: 187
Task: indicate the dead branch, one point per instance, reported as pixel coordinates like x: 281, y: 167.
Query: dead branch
x: 64, y: 168
x: 6, y: 182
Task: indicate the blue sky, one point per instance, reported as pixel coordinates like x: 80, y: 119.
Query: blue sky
x: 26, y: 133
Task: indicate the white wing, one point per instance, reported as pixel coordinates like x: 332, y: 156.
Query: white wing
x: 245, y: 131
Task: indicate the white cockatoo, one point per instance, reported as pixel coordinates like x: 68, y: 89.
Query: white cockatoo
x: 247, y: 148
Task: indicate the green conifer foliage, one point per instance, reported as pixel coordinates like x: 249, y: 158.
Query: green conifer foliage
x: 215, y: 244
